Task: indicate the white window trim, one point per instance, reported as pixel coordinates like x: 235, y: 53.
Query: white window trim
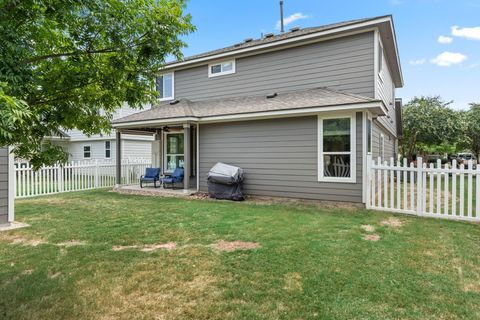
x: 105, y: 149
x: 173, y: 86
x: 211, y: 75
x: 165, y: 164
x: 352, y: 152
x: 83, y: 151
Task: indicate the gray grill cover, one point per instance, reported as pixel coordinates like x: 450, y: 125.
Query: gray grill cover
x: 225, y: 182
x: 225, y: 174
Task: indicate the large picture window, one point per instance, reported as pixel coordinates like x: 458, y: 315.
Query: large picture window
x: 336, y: 149
x: 165, y: 86
x: 174, y: 153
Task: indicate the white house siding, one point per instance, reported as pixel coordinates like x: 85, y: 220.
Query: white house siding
x: 132, y: 149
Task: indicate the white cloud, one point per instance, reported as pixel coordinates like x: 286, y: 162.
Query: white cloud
x: 418, y: 62
x: 446, y: 59
x: 445, y: 40
x: 290, y: 19
x: 469, y: 33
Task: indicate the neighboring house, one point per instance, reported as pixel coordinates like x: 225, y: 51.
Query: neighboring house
x: 103, y: 147
x: 6, y: 186
x: 299, y: 111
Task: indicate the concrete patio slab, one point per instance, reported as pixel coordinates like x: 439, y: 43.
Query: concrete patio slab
x: 12, y: 226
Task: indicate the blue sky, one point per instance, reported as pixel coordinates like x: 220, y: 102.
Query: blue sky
x: 449, y: 67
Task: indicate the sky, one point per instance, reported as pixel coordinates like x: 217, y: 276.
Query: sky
x: 438, y: 40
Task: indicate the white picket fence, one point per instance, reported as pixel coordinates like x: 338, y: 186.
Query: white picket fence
x: 75, y: 176
x: 448, y: 192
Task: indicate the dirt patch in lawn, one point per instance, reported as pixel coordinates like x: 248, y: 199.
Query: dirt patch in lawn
x: 392, y: 222
x: 230, y: 246
x: 371, y: 237
x: 147, y: 247
x: 33, y: 242
x: 368, y: 227
x: 293, y: 282
x: 153, y: 247
x: 72, y: 243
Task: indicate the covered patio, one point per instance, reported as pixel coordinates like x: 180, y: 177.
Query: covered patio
x: 174, y: 146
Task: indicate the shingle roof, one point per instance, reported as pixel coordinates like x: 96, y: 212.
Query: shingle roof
x: 279, y: 37
x: 319, y: 97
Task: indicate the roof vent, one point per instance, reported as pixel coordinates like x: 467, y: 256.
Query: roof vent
x: 174, y: 102
x: 294, y: 29
x: 248, y: 40
x: 273, y: 95
x: 269, y: 35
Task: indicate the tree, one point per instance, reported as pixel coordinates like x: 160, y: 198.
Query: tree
x: 428, y: 122
x: 472, y: 120
x: 64, y: 63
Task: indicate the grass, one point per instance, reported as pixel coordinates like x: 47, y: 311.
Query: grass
x: 313, y: 262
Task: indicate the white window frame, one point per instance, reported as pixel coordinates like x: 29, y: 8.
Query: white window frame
x: 173, y: 86
x: 109, y: 149
x: 352, y: 152
x: 90, y: 151
x: 221, y: 73
x: 165, y: 142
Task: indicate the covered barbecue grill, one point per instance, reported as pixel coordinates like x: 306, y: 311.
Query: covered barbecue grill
x: 225, y: 182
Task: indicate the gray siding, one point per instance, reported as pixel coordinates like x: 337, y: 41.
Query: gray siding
x: 386, y: 93
x: 390, y: 143
x: 3, y: 185
x: 344, y: 64
x: 279, y: 156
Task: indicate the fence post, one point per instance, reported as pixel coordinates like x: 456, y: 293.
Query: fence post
x: 419, y: 186
x: 60, y: 177
x: 368, y: 182
x: 95, y: 179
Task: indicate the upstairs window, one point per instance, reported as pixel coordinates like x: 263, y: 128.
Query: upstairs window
x: 222, y: 68
x: 380, y: 57
x: 87, y: 154
x: 165, y: 86
x: 108, y: 152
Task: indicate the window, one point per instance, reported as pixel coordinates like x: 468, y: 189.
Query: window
x: 87, y: 152
x: 369, y: 135
x: 222, y: 68
x: 108, y: 152
x: 174, y: 153
x: 337, y: 149
x: 165, y: 86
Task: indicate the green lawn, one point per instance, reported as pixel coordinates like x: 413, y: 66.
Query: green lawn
x: 312, y: 263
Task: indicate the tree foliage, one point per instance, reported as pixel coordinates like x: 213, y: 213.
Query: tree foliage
x: 472, y: 136
x: 64, y: 62
x: 429, y: 122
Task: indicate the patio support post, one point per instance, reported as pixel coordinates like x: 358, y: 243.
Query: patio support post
x: 118, y: 177
x: 187, y: 156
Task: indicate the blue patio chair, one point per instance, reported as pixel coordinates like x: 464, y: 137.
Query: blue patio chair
x: 175, y: 177
x: 152, y: 175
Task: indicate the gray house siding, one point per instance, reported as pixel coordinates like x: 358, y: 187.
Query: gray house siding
x: 4, y: 165
x: 389, y: 143
x: 344, y: 64
x: 386, y: 93
x: 279, y: 156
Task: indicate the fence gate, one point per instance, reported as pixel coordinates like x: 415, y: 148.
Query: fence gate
x: 433, y: 190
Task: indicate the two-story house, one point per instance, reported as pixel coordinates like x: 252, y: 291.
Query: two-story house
x: 299, y: 111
